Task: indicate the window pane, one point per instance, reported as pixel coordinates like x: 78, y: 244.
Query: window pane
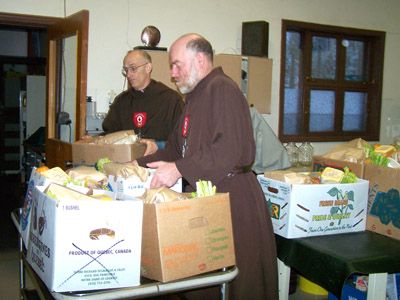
x: 292, y: 63
x: 323, y: 58
x: 292, y: 112
x: 322, y: 110
x: 355, y: 61
x: 355, y: 111
x: 292, y: 106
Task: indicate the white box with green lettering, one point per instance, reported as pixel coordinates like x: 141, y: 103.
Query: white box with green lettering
x: 300, y: 210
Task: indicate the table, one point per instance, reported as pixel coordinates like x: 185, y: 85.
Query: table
x: 329, y: 260
x: 148, y: 289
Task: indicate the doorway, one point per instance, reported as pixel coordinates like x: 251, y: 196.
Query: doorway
x: 12, y: 187
x: 23, y: 53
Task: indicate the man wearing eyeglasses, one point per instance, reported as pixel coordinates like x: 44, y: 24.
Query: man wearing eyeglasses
x: 149, y: 107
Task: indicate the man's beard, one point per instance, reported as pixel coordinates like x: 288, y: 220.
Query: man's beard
x: 188, y: 85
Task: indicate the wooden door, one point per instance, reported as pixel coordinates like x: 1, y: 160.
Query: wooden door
x: 66, y: 80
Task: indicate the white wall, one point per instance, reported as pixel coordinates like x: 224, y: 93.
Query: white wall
x: 115, y: 27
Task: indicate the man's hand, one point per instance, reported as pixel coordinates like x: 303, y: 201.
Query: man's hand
x: 151, y: 146
x: 166, y: 175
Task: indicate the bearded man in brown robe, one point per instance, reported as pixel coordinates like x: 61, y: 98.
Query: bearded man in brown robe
x: 213, y: 140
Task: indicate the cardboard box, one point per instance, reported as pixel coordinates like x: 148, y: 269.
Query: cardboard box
x: 383, y: 200
x: 382, y: 219
x: 300, y: 210
x: 134, y: 186
x: 86, y: 152
x: 319, y: 163
x: 63, y: 249
x: 186, y: 238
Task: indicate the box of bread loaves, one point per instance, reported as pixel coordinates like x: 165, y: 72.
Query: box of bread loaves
x: 121, y: 146
x: 79, y: 242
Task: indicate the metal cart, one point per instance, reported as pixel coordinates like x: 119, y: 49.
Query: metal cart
x: 146, y: 290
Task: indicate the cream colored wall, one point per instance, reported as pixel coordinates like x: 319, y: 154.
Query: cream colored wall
x: 115, y: 27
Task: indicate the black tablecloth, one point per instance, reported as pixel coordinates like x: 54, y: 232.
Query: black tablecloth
x: 329, y: 260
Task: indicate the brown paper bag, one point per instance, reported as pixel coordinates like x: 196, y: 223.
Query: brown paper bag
x: 127, y: 137
x: 289, y: 177
x: 160, y: 195
x: 89, y: 176
x: 126, y: 171
x: 351, y: 151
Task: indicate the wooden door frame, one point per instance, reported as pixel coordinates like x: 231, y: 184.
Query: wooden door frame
x: 26, y: 21
x: 73, y: 25
x: 76, y: 24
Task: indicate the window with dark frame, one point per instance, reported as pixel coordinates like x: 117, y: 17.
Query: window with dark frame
x: 331, y: 83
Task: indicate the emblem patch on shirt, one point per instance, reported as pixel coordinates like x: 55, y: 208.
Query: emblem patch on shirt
x: 185, y: 129
x: 139, y: 119
x: 185, y: 126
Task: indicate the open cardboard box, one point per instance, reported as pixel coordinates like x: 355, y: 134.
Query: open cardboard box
x: 79, y: 245
x: 319, y: 163
x: 383, y: 200
x: 87, y: 152
x: 186, y: 238
x: 300, y: 210
x: 383, y: 219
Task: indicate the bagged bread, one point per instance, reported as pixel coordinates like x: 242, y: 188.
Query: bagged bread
x: 126, y: 137
x: 289, y: 177
x: 125, y: 170
x: 352, y: 151
x: 89, y: 176
x: 57, y: 174
x: 61, y: 193
x: 160, y: 195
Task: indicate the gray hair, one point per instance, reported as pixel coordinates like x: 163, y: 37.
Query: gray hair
x: 146, y: 56
x: 200, y: 44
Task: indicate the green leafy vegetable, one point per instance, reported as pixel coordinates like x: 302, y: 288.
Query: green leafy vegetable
x: 348, y: 177
x: 368, y: 149
x: 204, y: 188
x: 378, y: 159
x: 99, y: 164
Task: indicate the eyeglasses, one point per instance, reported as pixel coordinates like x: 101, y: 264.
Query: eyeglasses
x: 132, y: 69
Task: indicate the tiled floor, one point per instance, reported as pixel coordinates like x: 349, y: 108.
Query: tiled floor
x: 9, y: 276
x: 12, y: 194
